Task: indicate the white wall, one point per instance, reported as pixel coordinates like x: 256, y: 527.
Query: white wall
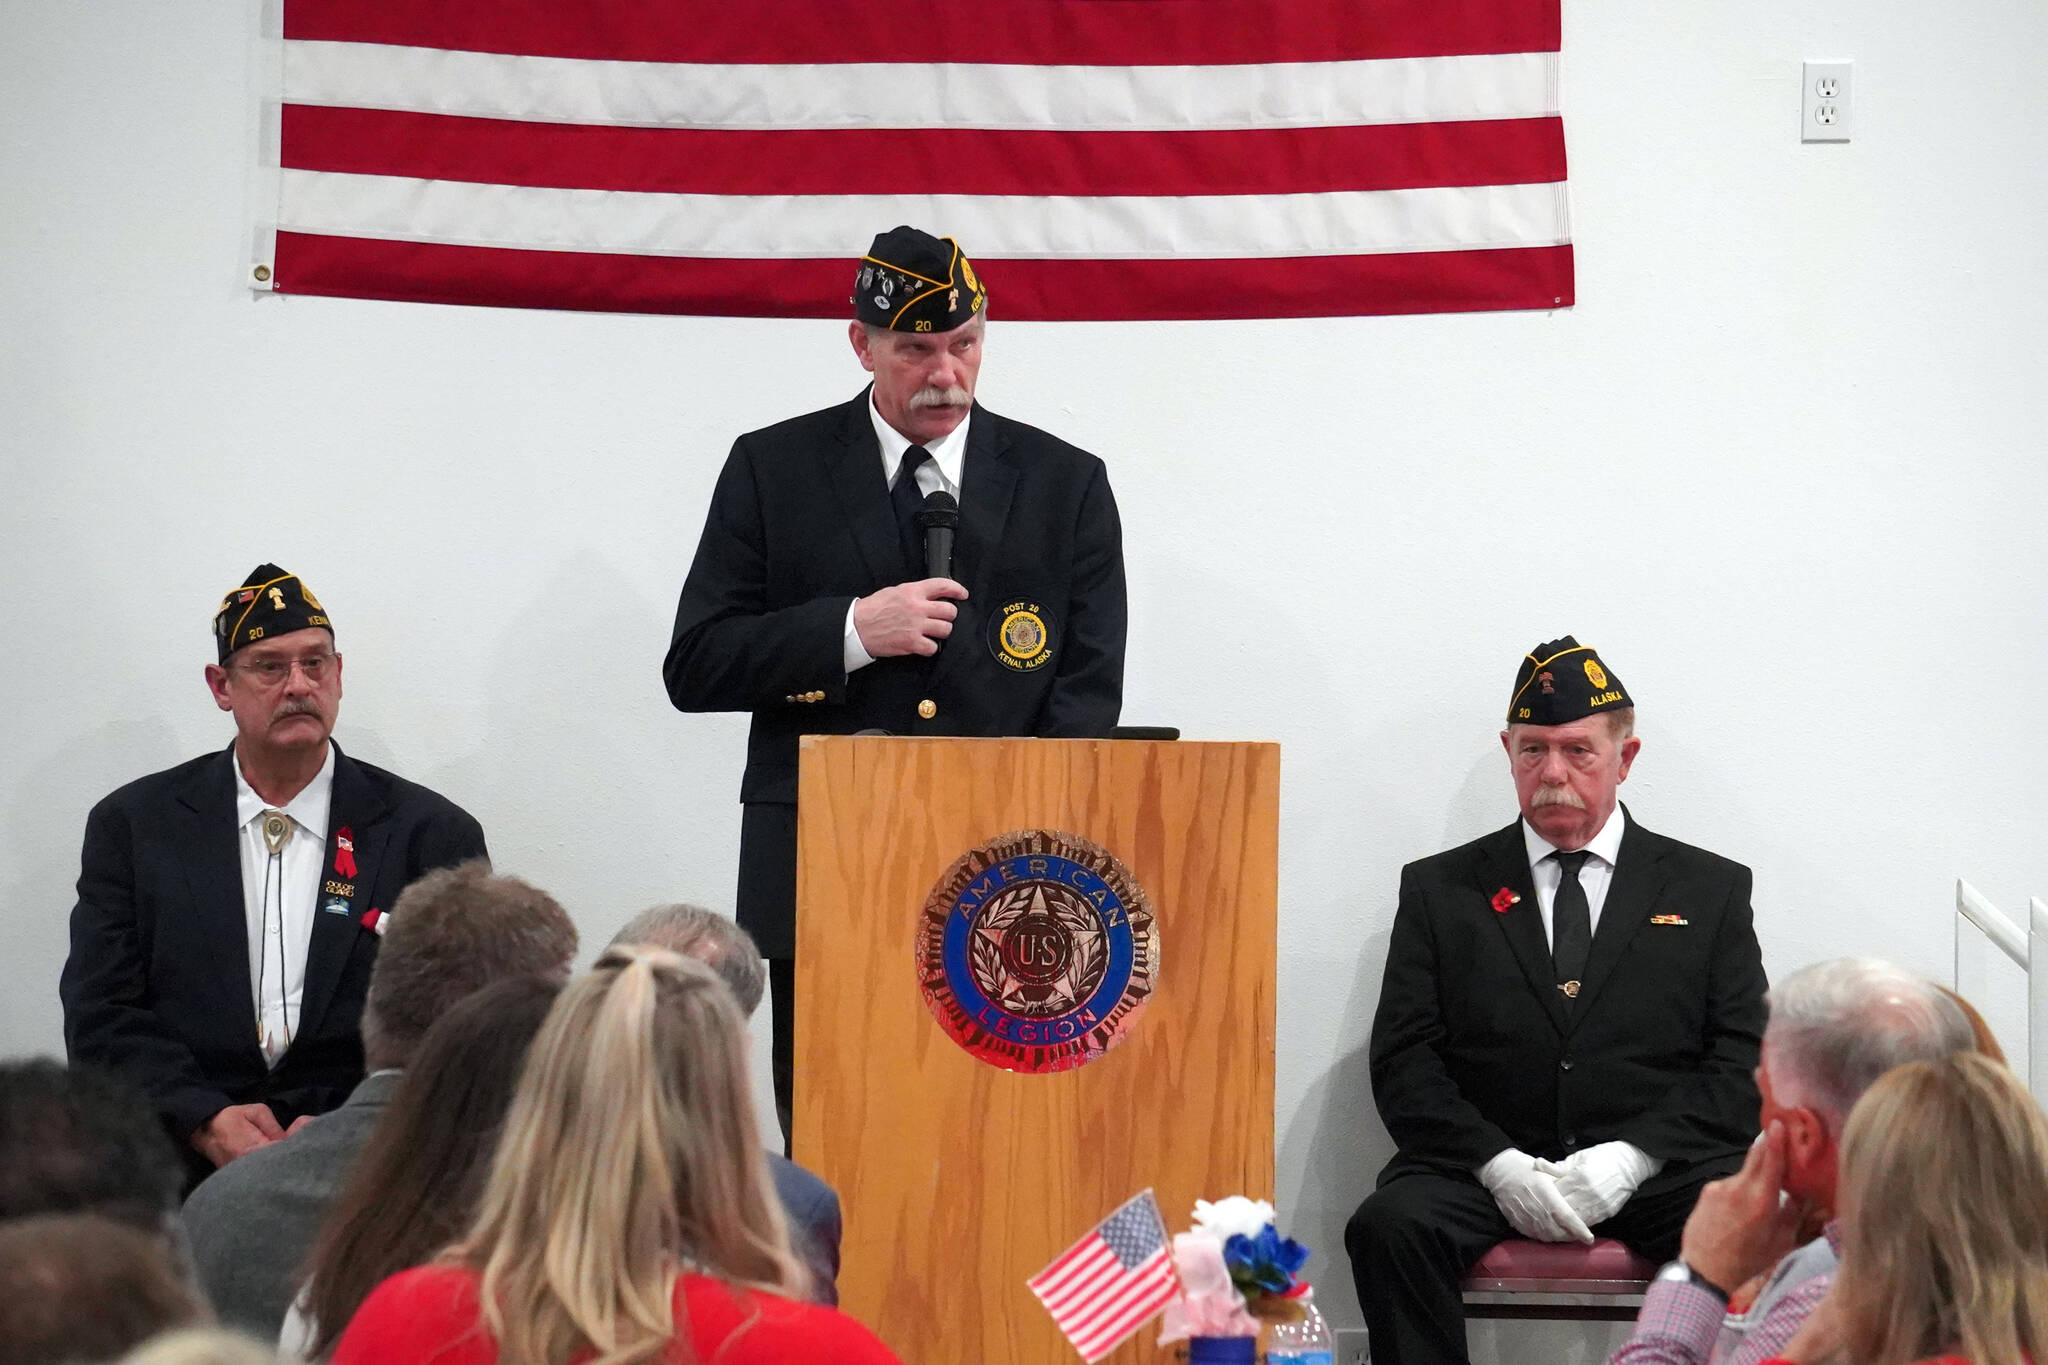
x: 1782, y: 464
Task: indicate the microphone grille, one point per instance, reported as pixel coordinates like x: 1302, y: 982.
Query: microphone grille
x: 939, y: 509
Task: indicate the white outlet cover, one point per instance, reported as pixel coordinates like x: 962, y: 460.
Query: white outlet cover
x: 1826, y: 101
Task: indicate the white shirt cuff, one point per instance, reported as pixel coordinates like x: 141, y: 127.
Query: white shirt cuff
x: 852, y: 653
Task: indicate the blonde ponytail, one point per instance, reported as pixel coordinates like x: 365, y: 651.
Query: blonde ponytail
x: 630, y: 1152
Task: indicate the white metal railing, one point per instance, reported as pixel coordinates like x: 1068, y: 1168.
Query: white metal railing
x: 2030, y: 950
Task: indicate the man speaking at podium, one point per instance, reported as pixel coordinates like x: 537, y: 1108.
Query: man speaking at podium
x: 821, y: 598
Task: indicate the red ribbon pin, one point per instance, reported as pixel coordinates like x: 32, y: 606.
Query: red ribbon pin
x: 344, y: 853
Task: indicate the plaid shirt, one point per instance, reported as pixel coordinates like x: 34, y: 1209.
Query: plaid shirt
x: 1683, y: 1324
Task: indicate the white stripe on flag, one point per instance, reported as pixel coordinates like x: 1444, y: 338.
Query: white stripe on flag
x: 936, y: 95
x: 1000, y: 226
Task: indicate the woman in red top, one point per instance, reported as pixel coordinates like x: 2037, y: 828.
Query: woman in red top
x: 1944, y: 1210
x: 629, y: 1216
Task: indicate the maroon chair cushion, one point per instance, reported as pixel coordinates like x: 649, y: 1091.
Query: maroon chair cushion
x: 1519, y: 1259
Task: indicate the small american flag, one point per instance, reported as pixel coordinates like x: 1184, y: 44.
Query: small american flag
x: 1105, y: 1286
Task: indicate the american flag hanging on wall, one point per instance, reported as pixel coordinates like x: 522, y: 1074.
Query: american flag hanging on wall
x: 1099, y: 159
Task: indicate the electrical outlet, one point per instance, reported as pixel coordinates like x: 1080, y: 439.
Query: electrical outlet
x: 1824, y: 101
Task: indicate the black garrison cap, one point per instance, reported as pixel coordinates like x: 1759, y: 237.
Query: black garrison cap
x: 1561, y: 681
x: 269, y: 602
x: 911, y: 281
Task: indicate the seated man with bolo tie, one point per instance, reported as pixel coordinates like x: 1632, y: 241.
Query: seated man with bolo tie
x: 228, y: 908
x: 1567, y: 1027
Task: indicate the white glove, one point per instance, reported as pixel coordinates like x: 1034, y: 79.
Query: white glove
x: 1599, y: 1180
x: 1529, y: 1198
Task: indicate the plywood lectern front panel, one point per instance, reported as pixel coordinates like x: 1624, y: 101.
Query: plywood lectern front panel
x: 960, y: 1180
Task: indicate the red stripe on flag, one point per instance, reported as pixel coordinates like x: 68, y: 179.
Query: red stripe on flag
x: 887, y: 161
x: 1022, y: 290
x: 1028, y: 32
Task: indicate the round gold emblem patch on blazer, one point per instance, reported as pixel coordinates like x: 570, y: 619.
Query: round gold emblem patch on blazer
x: 1020, y: 636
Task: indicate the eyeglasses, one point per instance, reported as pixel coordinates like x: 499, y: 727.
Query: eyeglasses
x: 273, y: 672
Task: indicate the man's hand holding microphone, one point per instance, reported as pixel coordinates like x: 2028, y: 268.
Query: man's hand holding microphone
x: 910, y: 618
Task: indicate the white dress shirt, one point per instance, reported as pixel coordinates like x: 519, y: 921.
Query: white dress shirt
x: 1605, y: 1175
x: 1595, y: 877
x: 279, y: 912
x: 940, y: 474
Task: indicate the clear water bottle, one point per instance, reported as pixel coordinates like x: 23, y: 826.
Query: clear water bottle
x: 1307, y: 1342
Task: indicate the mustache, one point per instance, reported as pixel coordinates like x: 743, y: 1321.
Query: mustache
x: 955, y: 397
x: 1558, y: 796
x: 298, y: 708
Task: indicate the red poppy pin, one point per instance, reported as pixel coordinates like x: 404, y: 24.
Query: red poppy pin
x: 344, y: 853
x: 1504, y: 898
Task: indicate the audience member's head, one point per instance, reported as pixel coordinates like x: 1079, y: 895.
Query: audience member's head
x: 1945, y: 1210
x: 452, y: 932
x: 713, y: 939
x: 1836, y: 1027
x: 414, y: 1188
x: 84, y: 1287
x: 200, y: 1346
x: 631, y: 1148
x: 79, y: 1140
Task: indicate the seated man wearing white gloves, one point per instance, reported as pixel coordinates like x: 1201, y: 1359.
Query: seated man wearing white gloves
x: 1567, y: 1027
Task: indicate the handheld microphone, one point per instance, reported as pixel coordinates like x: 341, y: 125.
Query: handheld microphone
x: 938, y: 519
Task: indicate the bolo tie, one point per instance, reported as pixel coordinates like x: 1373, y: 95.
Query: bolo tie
x: 277, y: 832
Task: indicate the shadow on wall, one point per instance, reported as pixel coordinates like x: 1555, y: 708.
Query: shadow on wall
x: 586, y: 779
x: 47, y: 807
x: 1339, y: 1145
x: 1337, y: 1141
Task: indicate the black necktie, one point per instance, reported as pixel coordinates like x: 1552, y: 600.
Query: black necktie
x: 1571, y: 924
x: 907, y: 500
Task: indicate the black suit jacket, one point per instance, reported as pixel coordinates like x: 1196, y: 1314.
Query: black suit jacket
x: 800, y: 525
x: 157, y: 983
x: 1474, y: 1049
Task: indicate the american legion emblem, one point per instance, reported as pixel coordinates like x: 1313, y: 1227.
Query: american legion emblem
x: 1020, y: 636
x: 1037, y: 951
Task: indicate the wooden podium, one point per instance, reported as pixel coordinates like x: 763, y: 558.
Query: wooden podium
x: 959, y: 1179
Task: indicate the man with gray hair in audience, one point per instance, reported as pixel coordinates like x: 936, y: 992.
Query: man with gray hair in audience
x: 1835, y: 1027
x: 452, y: 932
x: 720, y: 944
